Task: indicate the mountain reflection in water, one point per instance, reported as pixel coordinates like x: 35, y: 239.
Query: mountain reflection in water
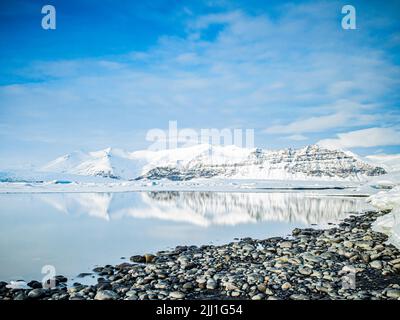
x: 208, y: 208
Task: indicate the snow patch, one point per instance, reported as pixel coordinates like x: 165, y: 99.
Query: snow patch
x: 388, y: 224
x: 390, y: 162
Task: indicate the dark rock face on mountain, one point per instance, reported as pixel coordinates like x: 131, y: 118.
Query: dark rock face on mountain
x: 176, y: 174
x: 316, y: 161
x: 312, y: 161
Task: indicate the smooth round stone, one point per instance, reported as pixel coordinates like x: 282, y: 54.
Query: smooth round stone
x: 106, y: 295
x: 348, y: 244
x: 187, y: 286
x: 376, y: 264
x: 34, y: 284
x: 305, y: 271
x: 211, y: 284
x: 261, y: 287
x: 365, y: 257
x: 397, y: 266
x: 312, y: 258
x: 36, y: 293
x: 230, y: 286
x: 138, y: 259
x: 21, y: 296
x: 131, y: 293
x: 149, y: 258
x: 296, y: 231
x: 393, y: 293
x: 61, y: 278
x: 269, y: 292
x: 286, y: 244
x: 257, y: 297
x: 248, y: 247
x: 286, y: 286
x: 161, y: 285
x: 176, y: 295
x: 299, y: 297
x: 201, y: 283
x: 76, y: 298
x: 375, y: 256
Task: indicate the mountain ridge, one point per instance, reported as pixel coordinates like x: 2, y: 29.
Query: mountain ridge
x: 212, y: 161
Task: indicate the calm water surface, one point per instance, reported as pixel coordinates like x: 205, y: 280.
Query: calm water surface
x: 76, y: 231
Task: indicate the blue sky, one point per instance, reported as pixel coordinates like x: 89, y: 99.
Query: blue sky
x: 111, y: 71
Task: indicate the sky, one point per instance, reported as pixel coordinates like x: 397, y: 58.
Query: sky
x: 112, y: 71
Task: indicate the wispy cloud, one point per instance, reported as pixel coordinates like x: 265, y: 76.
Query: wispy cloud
x: 370, y: 137
x: 342, y: 114
x: 296, y: 137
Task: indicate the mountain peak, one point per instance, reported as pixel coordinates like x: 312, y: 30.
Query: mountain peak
x: 313, y: 148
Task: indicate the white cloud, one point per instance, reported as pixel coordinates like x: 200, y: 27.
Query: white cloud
x: 71, y: 68
x: 313, y: 124
x: 296, y: 137
x: 344, y: 114
x: 371, y: 137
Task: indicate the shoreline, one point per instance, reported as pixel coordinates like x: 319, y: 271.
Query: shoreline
x: 204, y: 185
x: 348, y: 261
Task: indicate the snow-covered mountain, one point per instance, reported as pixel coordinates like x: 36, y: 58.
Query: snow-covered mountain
x: 108, y: 163
x: 207, y: 161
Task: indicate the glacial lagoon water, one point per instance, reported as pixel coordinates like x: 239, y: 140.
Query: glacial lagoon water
x: 74, y: 232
